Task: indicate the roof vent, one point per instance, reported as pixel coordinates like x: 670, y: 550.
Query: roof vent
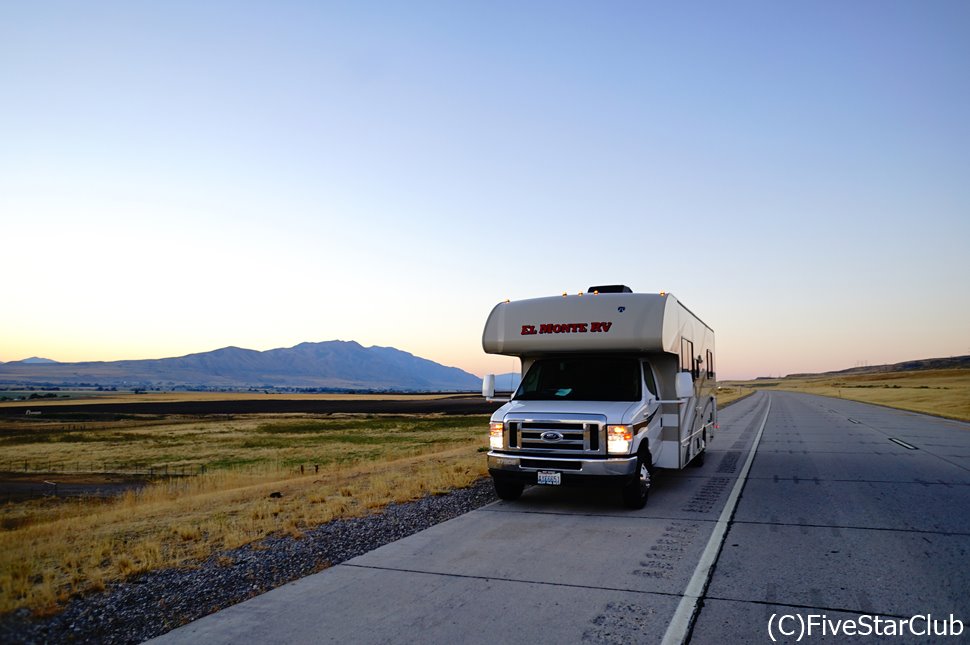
x: 610, y: 288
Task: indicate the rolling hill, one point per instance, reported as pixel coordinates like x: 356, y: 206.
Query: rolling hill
x: 950, y: 362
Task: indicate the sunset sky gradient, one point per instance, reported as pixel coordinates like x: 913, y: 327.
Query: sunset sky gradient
x: 177, y: 177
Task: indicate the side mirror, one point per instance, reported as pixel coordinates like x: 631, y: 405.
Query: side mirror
x: 684, y: 385
x: 488, y: 386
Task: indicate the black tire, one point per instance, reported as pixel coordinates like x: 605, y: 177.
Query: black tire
x: 635, y: 493
x: 698, y: 459
x: 508, y: 490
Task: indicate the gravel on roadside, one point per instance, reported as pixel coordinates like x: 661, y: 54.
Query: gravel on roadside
x: 159, y: 601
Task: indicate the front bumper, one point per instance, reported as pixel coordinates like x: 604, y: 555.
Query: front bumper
x: 524, y: 468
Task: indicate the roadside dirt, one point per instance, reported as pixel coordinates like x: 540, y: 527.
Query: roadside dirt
x: 18, y: 487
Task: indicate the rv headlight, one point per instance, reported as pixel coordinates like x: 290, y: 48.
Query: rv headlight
x: 618, y: 439
x: 495, y: 432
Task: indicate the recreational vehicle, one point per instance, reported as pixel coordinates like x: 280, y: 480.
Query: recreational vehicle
x: 614, y: 384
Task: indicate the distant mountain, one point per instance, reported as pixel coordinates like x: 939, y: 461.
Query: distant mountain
x: 508, y: 382
x: 330, y: 365
x: 951, y: 362
x: 36, y: 360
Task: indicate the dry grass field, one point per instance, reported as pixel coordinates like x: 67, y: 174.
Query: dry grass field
x: 321, y: 467
x: 729, y: 393
x: 72, y: 397
x: 944, y: 393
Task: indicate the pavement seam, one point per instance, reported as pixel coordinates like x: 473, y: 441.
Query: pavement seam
x: 812, y: 480
x: 515, y: 580
x: 854, y: 528
x: 776, y: 603
x: 618, y: 516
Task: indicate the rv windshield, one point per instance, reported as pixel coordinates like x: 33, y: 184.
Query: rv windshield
x: 581, y: 379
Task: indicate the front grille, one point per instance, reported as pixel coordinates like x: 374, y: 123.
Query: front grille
x: 551, y: 464
x: 556, y: 436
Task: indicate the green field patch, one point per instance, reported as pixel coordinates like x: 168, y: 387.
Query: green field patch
x: 311, y: 427
x: 236, y: 462
x: 75, y: 436
x: 349, y: 438
x: 44, y: 436
x: 379, y: 440
x: 375, y: 423
x: 90, y: 416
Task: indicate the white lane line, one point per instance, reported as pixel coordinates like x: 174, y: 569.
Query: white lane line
x: 903, y: 444
x: 681, y: 622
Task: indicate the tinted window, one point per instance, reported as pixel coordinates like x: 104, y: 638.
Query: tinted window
x: 582, y: 379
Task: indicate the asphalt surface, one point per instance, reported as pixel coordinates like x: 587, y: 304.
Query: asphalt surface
x: 805, y: 507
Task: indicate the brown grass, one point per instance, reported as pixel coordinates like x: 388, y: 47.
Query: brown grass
x: 729, y: 393
x: 56, y: 548
x: 185, y: 445
x: 944, y: 393
x: 80, y: 397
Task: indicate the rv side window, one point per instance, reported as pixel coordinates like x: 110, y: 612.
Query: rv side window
x: 648, y: 379
x: 686, y: 356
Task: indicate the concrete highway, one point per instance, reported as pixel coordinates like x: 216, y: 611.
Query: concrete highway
x: 806, y: 507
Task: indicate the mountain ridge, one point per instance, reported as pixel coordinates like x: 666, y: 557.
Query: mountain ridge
x: 334, y: 364
x: 948, y: 362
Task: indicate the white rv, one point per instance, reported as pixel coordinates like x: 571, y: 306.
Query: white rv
x: 614, y: 384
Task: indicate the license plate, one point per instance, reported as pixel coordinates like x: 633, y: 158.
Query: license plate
x: 549, y: 478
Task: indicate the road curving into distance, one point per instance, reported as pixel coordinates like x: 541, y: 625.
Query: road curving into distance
x: 840, y: 510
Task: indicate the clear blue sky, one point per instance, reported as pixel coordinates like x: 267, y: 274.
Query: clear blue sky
x: 181, y: 176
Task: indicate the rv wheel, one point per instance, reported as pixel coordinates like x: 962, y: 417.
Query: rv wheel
x: 698, y: 459
x: 635, y: 493
x: 507, y: 489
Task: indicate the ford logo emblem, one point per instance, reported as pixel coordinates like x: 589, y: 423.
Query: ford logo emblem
x: 551, y: 437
